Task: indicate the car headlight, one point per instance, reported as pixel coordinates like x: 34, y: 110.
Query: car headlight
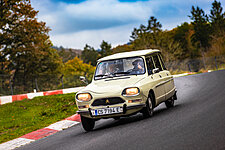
x: 84, y: 97
x: 131, y: 91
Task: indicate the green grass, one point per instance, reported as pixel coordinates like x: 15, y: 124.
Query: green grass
x: 22, y: 117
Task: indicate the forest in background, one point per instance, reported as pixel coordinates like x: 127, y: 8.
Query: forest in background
x: 28, y: 59
x: 203, y: 37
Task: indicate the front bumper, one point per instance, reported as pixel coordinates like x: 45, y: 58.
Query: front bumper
x: 125, y: 111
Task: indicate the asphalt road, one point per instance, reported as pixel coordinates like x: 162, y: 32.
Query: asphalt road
x: 196, y: 122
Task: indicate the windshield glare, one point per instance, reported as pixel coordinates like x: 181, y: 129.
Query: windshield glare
x: 120, y: 67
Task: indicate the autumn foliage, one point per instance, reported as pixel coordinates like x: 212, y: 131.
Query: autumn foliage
x: 75, y: 68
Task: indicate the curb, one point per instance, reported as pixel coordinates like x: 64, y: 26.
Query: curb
x: 41, y: 133
x: 10, y: 99
x: 183, y: 74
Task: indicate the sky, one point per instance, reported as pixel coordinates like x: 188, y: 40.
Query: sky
x: 75, y: 23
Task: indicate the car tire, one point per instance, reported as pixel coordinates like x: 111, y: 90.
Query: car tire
x: 170, y: 102
x: 87, y: 123
x: 148, y: 110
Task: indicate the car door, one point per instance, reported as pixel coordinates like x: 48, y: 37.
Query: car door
x: 168, y: 80
x: 152, y: 79
x: 159, y: 78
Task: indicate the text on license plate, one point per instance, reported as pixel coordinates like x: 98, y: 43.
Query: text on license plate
x: 105, y: 111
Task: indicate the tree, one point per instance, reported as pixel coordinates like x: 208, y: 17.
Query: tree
x: 105, y: 49
x: 75, y: 68
x: 202, y: 30
x: 140, y: 38
x: 217, y: 18
x: 146, y: 36
x: 66, y: 54
x: 154, y: 27
x: 182, y: 34
x: 25, y: 43
x: 152, y: 37
x: 89, y: 55
x: 201, y: 36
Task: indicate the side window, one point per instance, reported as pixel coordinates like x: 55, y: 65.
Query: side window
x: 157, y: 62
x: 162, y: 62
x: 150, y: 65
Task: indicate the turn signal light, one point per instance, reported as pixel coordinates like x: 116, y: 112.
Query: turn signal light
x: 136, y: 100
x: 81, y: 107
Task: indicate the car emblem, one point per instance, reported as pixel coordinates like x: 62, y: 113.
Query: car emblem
x: 107, y: 101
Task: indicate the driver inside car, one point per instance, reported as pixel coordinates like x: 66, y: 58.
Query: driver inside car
x: 138, y: 67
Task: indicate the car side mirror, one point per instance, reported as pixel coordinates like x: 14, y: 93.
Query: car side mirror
x: 156, y: 70
x: 83, y: 79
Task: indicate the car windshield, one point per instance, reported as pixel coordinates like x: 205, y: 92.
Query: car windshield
x: 120, y: 67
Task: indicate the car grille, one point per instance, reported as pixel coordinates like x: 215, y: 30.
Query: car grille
x: 108, y: 101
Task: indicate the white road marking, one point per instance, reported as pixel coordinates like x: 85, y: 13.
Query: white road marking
x: 15, y: 143
x: 64, y: 124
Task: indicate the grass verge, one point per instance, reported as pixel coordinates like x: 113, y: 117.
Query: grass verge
x: 22, y: 117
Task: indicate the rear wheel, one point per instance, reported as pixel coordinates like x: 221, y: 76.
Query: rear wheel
x: 148, y: 110
x: 87, y: 123
x: 170, y: 102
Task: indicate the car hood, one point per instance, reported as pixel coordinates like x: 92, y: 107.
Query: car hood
x: 112, y: 85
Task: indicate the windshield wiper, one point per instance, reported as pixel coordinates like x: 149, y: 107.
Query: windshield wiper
x: 121, y: 73
x: 101, y: 75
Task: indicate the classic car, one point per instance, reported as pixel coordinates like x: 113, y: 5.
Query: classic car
x: 125, y: 84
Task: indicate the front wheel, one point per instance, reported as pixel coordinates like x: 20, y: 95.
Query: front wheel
x: 148, y: 110
x: 87, y: 123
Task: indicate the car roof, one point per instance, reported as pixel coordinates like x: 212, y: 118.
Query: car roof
x: 129, y: 54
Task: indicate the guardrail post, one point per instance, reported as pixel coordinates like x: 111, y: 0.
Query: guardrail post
x: 11, y: 87
x: 36, y: 85
x: 62, y: 81
x: 216, y: 63
x: 189, y: 67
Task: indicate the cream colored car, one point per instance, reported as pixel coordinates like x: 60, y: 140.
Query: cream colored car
x: 125, y: 84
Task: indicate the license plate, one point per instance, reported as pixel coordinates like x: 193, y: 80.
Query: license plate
x: 106, y: 111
